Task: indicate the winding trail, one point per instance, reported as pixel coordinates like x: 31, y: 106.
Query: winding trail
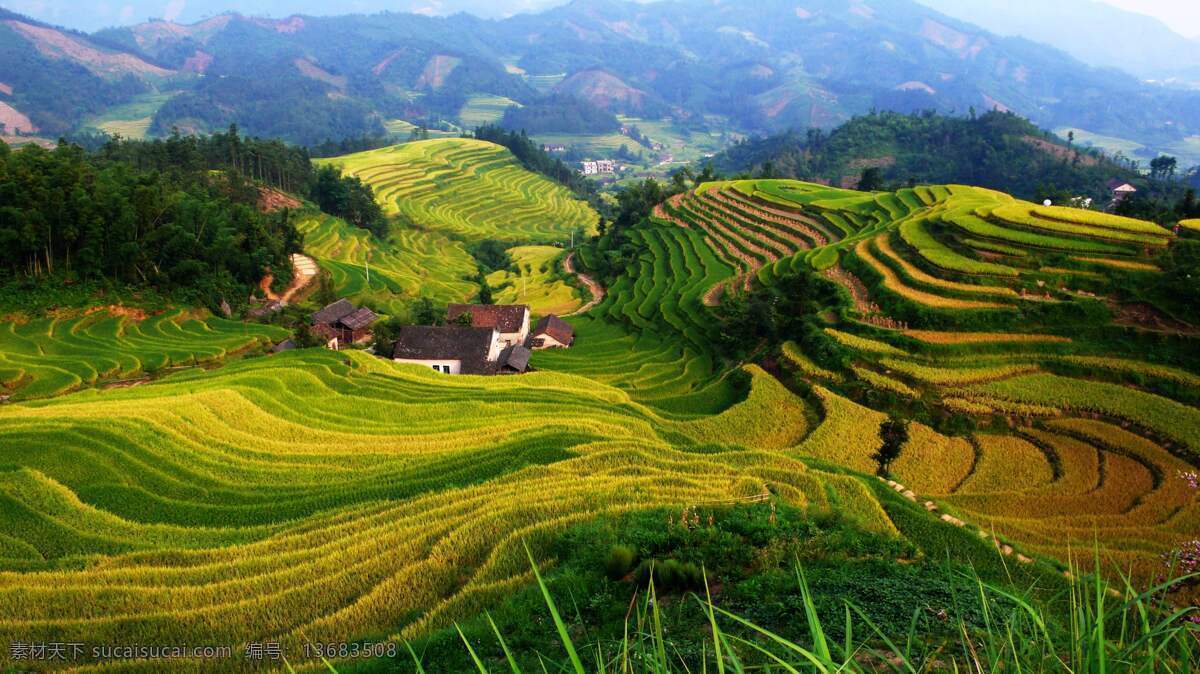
x: 304, y: 270
x: 595, y: 288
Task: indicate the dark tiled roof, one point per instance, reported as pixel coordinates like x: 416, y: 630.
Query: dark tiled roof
x: 503, y: 317
x: 286, y: 345
x: 325, y: 330
x: 333, y: 313
x: 360, y: 318
x: 446, y: 342
x: 555, y: 327
x: 516, y: 357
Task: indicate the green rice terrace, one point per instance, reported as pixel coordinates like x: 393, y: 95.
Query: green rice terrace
x: 469, y: 189
x: 315, y: 497
x: 535, y: 282
x: 392, y: 273
x: 455, y: 192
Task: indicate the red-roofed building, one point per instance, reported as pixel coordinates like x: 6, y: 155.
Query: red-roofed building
x: 511, y: 321
x: 552, y: 332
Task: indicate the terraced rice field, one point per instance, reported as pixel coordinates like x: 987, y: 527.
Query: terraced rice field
x: 409, y: 265
x: 935, y: 262
x: 131, y: 120
x: 320, y: 496
x: 312, y: 508
x: 51, y: 356
x: 667, y: 291
x: 537, y: 282
x: 470, y: 190
x: 483, y: 109
x: 402, y: 130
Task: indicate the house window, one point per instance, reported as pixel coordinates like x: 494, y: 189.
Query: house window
x: 442, y: 368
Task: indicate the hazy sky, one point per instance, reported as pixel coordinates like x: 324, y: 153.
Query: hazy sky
x: 1181, y: 15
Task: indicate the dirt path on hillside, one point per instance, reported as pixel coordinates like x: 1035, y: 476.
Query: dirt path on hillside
x: 304, y: 270
x: 595, y: 288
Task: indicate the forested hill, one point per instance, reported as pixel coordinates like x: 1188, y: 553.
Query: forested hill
x: 997, y: 150
x: 764, y: 66
x: 182, y: 216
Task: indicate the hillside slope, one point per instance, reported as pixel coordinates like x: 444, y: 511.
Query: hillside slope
x: 769, y: 66
x: 1103, y: 35
x: 996, y: 150
x: 470, y: 189
x: 314, y: 496
x: 54, y: 78
x: 968, y: 307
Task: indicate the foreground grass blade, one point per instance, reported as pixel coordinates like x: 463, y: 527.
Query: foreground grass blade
x: 558, y: 622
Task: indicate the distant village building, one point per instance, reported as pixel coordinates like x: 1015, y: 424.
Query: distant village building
x: 552, y: 332
x: 554, y: 148
x: 511, y: 321
x: 1120, y: 190
x: 598, y: 167
x: 342, y: 324
x: 459, y: 349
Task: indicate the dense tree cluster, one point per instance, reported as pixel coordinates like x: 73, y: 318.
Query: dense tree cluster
x: 1181, y: 275
x: 997, y: 150
x: 179, y: 214
x: 286, y: 105
x: 270, y: 162
x: 66, y: 214
x: 267, y: 162
x: 560, y: 114
x: 786, y: 310
x: 348, y: 198
x: 1163, y: 202
x: 533, y: 157
x: 332, y: 148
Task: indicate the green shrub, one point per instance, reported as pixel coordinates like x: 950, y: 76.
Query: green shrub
x: 670, y: 575
x: 620, y: 561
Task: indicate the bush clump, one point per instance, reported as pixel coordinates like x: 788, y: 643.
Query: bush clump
x: 670, y: 575
x: 620, y: 561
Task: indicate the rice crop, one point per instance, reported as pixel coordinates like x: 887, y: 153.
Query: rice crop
x: 536, y: 282
x: 1007, y: 463
x: 51, y: 356
x: 913, y: 233
x: 953, y: 338
x: 1021, y: 214
x: 932, y: 463
x: 388, y: 274
x: 471, y: 189
x: 337, y: 494
x: 1160, y: 415
x: 885, y: 383
x: 795, y: 357
x: 895, y: 284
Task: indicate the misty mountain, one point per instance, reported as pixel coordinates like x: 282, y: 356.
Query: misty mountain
x: 95, y: 16
x: 764, y: 67
x: 1093, y: 32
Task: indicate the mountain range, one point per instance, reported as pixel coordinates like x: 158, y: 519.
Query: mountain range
x: 765, y: 67
x: 1098, y: 34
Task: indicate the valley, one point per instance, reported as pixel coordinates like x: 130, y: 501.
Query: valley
x: 342, y: 494
x: 650, y: 338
